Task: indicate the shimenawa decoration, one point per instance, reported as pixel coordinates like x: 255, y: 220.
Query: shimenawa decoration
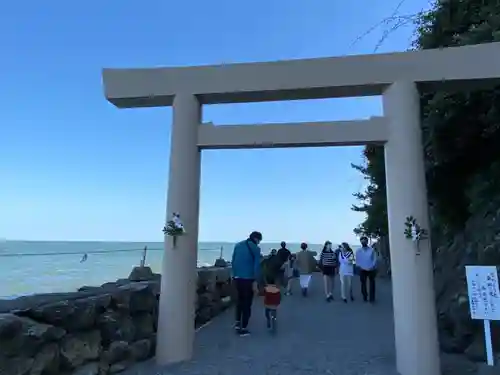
x: 174, y: 228
x: 414, y: 232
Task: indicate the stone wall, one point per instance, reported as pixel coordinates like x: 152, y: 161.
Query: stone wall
x: 96, y: 330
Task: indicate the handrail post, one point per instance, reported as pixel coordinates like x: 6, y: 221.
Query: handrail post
x: 143, y: 260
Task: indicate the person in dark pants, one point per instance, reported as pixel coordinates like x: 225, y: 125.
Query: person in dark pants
x: 328, y: 262
x: 282, y: 256
x: 246, y: 271
x: 366, y: 261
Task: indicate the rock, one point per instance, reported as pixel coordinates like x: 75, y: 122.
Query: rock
x: 212, y: 288
x: 484, y: 369
x: 203, y: 300
x: 490, y: 256
x: 15, y: 366
x: 91, y: 368
x: 116, y: 326
x: 24, y: 335
x: 206, y: 277
x: 46, y: 361
x: 463, y: 326
x: 114, y: 285
x: 203, y: 315
x: 220, y: 263
x: 140, y: 350
x: 476, y: 351
x: 78, y: 348
x: 153, y: 346
x: 222, y: 275
x: 478, y: 244
x: 71, y: 315
x: 96, y: 331
x: 226, y: 290
x: 226, y: 302
x: 454, y: 364
x: 25, y: 303
x: 118, y: 352
x: 144, y: 327
x: 86, y: 288
x: 449, y: 344
x: 154, y: 314
x: 119, y: 367
x: 142, y: 274
x: 135, y: 297
x: 10, y: 325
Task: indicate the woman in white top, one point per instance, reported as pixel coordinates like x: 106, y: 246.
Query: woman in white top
x: 346, y: 271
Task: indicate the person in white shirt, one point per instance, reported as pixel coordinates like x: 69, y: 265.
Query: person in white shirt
x: 366, y: 261
x: 346, y: 271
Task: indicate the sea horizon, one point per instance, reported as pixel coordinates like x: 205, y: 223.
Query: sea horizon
x: 29, y: 266
x: 33, y: 247
x: 3, y: 239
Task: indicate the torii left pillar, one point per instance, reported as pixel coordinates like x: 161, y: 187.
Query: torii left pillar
x: 175, y: 337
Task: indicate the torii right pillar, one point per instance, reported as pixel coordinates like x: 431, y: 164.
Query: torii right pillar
x: 415, y: 321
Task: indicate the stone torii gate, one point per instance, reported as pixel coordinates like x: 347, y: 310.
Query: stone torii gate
x: 395, y: 76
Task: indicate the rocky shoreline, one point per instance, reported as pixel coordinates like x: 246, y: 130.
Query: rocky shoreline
x: 96, y: 330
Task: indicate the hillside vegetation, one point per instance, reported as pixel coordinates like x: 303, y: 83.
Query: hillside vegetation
x: 461, y: 140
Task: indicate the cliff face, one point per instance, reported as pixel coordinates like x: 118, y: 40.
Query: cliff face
x: 477, y: 244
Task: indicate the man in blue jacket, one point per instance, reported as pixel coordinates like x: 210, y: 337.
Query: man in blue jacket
x: 246, y: 271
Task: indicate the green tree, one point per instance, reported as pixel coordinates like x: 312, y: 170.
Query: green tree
x: 372, y: 200
x: 461, y: 131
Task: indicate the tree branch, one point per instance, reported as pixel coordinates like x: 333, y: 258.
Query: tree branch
x: 390, y: 24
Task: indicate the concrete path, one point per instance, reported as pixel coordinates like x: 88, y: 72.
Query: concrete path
x: 314, y: 337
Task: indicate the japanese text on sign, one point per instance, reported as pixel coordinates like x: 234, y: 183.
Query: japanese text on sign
x: 484, y: 293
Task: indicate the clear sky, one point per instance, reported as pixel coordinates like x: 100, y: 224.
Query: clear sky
x: 73, y: 167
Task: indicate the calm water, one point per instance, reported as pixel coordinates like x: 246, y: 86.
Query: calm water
x: 56, y: 267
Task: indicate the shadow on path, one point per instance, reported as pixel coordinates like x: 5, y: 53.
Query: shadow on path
x: 314, y: 337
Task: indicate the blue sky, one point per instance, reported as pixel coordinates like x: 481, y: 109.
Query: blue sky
x: 73, y: 167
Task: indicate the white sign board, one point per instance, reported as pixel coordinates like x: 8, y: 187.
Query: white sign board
x: 484, y: 293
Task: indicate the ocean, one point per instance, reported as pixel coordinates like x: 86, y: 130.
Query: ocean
x: 28, y: 267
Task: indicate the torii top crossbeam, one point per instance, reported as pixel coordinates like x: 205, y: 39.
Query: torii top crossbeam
x: 358, y: 75
x: 395, y: 76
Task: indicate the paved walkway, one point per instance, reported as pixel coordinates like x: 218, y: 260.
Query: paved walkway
x: 314, y: 337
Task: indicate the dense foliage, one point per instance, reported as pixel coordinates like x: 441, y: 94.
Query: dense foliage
x: 461, y: 131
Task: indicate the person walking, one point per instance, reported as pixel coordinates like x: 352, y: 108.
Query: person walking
x: 246, y: 271
x: 282, y: 257
x: 291, y: 274
x: 272, y: 299
x: 346, y: 271
x: 366, y: 261
x: 328, y: 262
x: 338, y: 249
x: 268, y: 267
x: 306, y: 264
